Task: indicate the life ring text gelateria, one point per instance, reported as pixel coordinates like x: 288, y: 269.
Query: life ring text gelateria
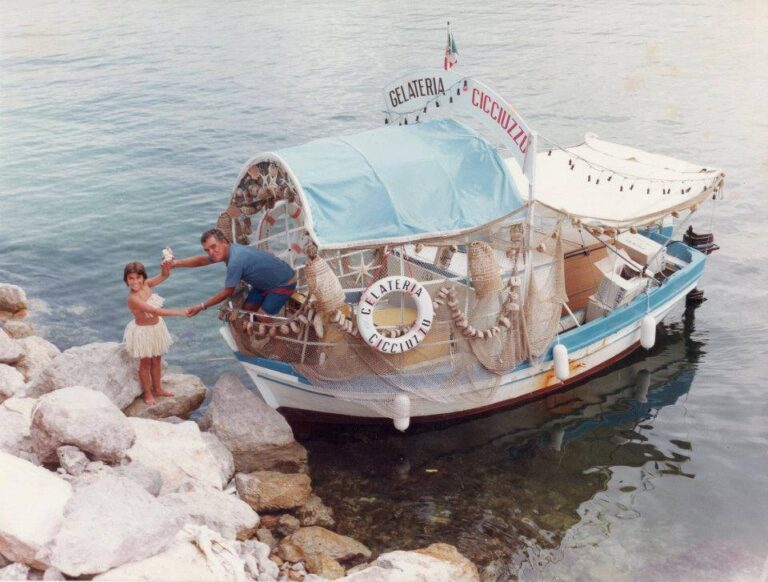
x: 421, y: 325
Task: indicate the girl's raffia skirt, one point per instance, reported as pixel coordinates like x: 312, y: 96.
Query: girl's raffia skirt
x: 147, y: 341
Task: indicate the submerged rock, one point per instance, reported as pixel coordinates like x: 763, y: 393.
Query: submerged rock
x: 32, y: 502
x: 258, y: 437
x: 315, y: 512
x: 102, y: 367
x: 188, y: 394
x: 83, y: 418
x: 272, y: 491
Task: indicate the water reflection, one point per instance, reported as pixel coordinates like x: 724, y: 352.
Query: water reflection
x: 507, y: 486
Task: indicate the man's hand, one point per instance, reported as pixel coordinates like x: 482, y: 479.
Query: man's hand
x: 192, y: 311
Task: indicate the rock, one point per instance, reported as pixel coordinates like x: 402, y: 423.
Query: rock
x: 286, y: 525
x: 258, y: 437
x: 11, y: 382
x: 10, y: 351
x: 178, y: 452
x: 150, y: 479
x: 419, y: 565
x: 32, y: 502
x: 72, y: 459
x: 315, y: 512
x: 272, y: 491
x: 38, y: 354
x: 196, y: 554
x: 102, y: 367
x: 14, y: 572
x: 265, y: 536
x: 188, y: 394
x: 310, y: 542
x: 12, y: 298
x: 325, y: 566
x: 53, y: 574
x: 81, y: 417
x: 221, y: 454
x: 257, y: 563
x: 15, y: 418
x: 223, y: 513
x: 18, y: 329
x: 131, y: 525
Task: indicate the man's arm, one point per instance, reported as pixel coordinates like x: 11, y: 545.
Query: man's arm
x: 191, y: 262
x: 215, y: 300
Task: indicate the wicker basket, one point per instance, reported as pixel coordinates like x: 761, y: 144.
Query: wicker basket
x: 324, y: 285
x: 485, y: 271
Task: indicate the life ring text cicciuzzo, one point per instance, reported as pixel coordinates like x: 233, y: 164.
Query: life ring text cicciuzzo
x: 421, y: 325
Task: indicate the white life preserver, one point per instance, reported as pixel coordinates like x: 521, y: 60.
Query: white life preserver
x: 418, y: 331
x: 294, y: 212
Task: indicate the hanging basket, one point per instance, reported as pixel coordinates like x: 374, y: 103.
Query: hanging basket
x: 324, y: 285
x: 485, y: 271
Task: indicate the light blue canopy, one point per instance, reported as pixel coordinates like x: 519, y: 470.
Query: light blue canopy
x: 398, y: 184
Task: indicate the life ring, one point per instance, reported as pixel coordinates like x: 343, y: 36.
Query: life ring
x: 418, y: 331
x: 296, y: 241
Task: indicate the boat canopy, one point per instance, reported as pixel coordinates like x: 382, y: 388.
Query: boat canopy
x: 399, y: 184
x: 603, y: 183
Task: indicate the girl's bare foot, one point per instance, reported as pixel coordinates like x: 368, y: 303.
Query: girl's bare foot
x: 149, y: 399
x: 162, y: 392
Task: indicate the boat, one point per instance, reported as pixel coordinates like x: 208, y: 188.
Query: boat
x: 454, y: 261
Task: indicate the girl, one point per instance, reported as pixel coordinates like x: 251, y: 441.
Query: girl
x: 147, y: 337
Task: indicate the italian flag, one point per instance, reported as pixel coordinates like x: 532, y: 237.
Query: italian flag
x: 451, y: 52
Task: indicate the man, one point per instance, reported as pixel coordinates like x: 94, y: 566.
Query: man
x: 272, y: 280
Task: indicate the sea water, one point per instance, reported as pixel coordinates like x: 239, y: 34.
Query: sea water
x: 123, y: 127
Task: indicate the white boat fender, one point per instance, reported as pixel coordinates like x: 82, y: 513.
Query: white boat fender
x: 648, y: 332
x: 402, y: 412
x: 560, y: 356
x: 642, y: 385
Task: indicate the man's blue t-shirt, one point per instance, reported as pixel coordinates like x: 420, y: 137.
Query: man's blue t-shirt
x: 261, y: 270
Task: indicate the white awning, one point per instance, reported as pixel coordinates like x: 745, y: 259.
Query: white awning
x: 603, y: 183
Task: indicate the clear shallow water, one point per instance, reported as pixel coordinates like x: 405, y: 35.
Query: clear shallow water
x: 122, y: 129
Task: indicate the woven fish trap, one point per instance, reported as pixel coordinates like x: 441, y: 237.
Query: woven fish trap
x: 324, y: 285
x: 224, y: 224
x: 485, y: 271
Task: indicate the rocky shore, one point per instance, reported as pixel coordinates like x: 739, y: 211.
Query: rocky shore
x: 95, y: 484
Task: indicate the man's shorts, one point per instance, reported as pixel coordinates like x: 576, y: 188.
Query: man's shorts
x: 272, y: 300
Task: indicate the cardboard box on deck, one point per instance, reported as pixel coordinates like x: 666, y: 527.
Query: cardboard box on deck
x: 642, y: 250
x: 615, y: 289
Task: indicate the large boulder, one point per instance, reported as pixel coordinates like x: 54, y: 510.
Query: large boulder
x: 103, y: 367
x: 311, y: 542
x: 259, y: 438
x: 83, y: 418
x: 273, y: 491
x: 15, y: 418
x: 188, y: 394
x: 437, y: 563
x: 180, y: 453
x: 11, y: 382
x: 32, y: 502
x: 221, y: 512
x: 12, y: 298
x: 201, y: 555
x: 10, y: 351
x: 130, y: 523
x: 37, y: 355
x: 18, y: 329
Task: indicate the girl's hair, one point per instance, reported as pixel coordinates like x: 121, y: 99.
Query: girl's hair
x: 134, y: 267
